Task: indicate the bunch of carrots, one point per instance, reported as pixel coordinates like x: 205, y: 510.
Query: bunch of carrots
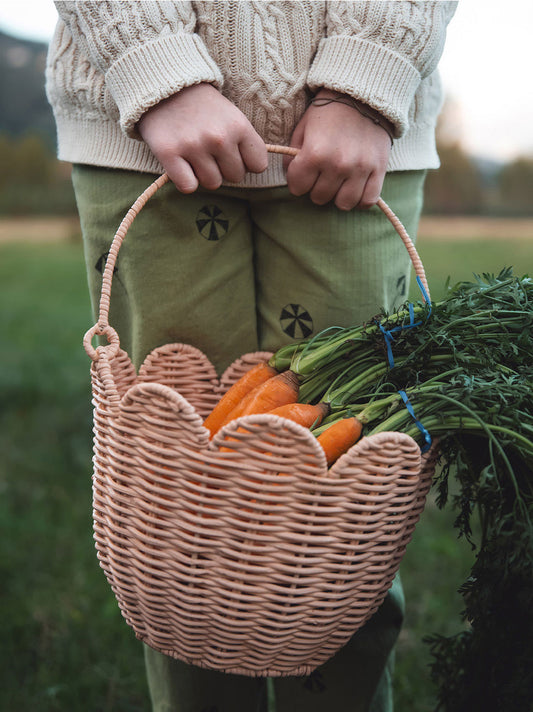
x: 263, y: 389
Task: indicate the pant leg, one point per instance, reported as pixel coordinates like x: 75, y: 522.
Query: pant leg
x: 177, y: 687
x: 317, y: 267
x: 184, y: 272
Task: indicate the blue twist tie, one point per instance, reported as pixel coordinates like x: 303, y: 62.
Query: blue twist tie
x: 388, y: 333
x: 389, y: 338
x: 427, y: 436
x: 424, y: 293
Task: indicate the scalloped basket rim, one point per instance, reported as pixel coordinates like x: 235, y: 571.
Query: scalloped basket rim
x: 264, y: 419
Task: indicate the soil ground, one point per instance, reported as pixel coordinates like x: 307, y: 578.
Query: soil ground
x: 59, y: 229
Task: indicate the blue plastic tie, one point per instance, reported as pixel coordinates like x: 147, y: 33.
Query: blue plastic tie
x: 410, y: 409
x: 424, y: 293
x: 389, y: 338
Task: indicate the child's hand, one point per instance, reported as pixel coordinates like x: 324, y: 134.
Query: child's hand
x: 201, y: 138
x: 343, y: 156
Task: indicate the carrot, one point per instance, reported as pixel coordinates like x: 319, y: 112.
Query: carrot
x: 303, y: 413
x: 258, y: 374
x: 339, y: 437
x: 278, y: 390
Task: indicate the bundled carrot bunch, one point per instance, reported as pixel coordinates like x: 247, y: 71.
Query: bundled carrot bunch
x: 462, y: 370
x: 425, y: 369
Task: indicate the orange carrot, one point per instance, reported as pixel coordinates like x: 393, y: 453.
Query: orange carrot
x: 278, y: 390
x: 303, y: 413
x: 339, y: 437
x: 258, y: 374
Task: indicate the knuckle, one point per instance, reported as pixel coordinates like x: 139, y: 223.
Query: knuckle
x: 344, y: 167
x: 216, y: 141
x: 189, y: 146
x: 165, y: 150
x: 317, y: 158
x: 240, y: 125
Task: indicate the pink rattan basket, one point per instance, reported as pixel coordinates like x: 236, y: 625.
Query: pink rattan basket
x: 213, y: 556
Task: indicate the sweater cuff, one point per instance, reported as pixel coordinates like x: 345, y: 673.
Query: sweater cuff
x: 154, y: 71
x: 371, y: 73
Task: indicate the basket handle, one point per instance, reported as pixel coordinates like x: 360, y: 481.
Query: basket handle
x: 102, y: 326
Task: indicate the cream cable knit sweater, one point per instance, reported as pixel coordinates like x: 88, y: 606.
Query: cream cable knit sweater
x: 111, y: 61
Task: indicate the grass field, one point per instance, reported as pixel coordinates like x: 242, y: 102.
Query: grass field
x: 64, y: 644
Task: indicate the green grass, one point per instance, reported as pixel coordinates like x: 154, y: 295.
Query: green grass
x: 459, y: 259
x: 65, y: 646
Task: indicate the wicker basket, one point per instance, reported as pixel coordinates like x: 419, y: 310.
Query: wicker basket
x: 255, y: 560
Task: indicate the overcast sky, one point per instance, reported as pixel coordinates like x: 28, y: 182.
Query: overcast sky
x: 486, y: 68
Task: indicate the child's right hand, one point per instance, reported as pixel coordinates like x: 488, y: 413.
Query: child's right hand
x: 201, y: 138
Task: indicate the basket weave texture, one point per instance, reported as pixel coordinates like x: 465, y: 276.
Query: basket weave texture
x: 243, y: 553
x: 254, y: 560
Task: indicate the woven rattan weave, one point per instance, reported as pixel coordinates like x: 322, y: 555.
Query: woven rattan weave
x: 255, y: 558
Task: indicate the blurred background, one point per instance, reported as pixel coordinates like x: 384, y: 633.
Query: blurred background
x: 64, y: 645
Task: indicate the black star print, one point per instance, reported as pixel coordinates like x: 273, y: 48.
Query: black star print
x: 296, y: 321
x: 100, y: 267
x: 400, y: 286
x: 211, y: 222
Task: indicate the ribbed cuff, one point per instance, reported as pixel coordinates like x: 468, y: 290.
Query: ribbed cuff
x: 156, y: 70
x: 100, y: 142
x: 373, y: 74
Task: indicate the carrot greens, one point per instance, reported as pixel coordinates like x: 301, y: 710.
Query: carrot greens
x: 459, y: 371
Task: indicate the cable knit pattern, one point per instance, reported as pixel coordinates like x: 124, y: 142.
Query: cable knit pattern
x: 111, y: 61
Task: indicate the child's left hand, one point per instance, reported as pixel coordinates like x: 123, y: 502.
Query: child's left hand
x: 343, y: 156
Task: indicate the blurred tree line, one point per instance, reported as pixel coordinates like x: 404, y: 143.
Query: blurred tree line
x: 465, y: 185
x: 33, y: 181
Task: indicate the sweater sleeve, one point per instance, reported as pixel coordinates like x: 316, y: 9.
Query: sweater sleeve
x: 379, y: 52
x: 146, y: 51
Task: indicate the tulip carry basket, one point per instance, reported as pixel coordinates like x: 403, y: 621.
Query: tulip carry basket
x: 256, y: 559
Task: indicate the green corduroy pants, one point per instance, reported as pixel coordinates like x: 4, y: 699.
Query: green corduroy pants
x: 233, y: 271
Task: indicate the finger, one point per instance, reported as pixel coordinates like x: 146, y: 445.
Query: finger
x: 231, y: 164
x: 254, y: 153
x: 182, y: 175
x: 325, y: 188
x: 350, y: 193
x: 372, y: 191
x: 207, y: 171
x: 301, y: 177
